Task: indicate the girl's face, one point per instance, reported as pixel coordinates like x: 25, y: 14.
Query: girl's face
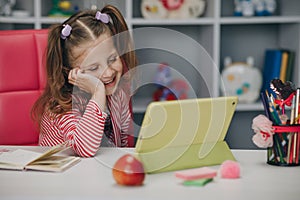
x: 100, y: 59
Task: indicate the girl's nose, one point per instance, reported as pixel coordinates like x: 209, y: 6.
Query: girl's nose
x: 108, y: 72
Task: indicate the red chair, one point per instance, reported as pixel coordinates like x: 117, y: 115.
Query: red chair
x: 22, y: 78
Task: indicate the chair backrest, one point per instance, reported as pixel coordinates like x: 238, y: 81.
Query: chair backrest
x: 22, y: 79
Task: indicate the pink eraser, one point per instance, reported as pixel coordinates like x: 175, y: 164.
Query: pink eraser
x: 198, y: 173
x: 230, y: 169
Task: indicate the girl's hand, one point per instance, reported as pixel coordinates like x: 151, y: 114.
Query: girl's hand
x: 90, y: 84
x: 84, y: 81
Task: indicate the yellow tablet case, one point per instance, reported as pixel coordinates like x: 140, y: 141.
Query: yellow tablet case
x: 184, y: 134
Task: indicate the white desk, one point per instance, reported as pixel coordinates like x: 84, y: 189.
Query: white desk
x: 92, y: 179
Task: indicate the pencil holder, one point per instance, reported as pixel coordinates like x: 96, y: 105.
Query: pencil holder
x: 286, y: 145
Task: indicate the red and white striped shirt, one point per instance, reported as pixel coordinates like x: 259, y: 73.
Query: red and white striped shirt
x: 83, y: 126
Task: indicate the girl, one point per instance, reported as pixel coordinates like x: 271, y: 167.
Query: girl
x: 82, y: 104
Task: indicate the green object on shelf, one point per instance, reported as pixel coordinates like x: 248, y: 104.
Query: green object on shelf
x: 58, y: 11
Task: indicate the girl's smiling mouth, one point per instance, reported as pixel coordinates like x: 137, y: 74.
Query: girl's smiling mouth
x: 110, y: 82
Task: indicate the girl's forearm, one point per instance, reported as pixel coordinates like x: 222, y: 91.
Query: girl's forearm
x: 88, y: 131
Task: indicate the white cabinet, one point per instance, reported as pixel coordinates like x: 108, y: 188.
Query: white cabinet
x: 218, y: 31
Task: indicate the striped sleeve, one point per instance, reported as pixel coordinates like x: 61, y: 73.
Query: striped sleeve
x: 82, y: 131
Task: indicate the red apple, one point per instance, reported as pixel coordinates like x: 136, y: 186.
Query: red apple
x: 128, y: 170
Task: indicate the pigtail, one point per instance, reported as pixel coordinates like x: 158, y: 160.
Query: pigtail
x: 57, y: 71
x: 56, y: 91
x: 54, y: 56
x: 124, y: 42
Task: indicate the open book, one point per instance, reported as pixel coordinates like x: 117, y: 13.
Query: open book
x: 21, y: 159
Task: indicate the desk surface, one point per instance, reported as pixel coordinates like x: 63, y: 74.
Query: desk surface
x: 92, y: 179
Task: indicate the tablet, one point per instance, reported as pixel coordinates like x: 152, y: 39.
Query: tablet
x: 182, y: 134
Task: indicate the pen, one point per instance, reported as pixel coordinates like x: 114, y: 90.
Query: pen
x: 292, y: 118
x: 295, y: 135
x: 264, y: 100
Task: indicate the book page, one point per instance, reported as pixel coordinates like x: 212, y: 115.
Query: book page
x: 54, y: 164
x: 53, y: 160
x: 18, y: 158
x: 50, y: 152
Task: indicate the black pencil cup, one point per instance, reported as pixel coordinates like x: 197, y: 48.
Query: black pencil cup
x: 286, y: 146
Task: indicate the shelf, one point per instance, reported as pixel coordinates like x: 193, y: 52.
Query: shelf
x: 142, y: 21
x: 52, y: 20
x: 26, y: 20
x: 223, y: 20
x: 200, y: 21
x: 140, y: 105
x: 249, y: 107
x: 259, y: 20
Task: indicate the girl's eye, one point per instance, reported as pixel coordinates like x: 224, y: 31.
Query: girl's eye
x: 93, y: 68
x: 112, y: 60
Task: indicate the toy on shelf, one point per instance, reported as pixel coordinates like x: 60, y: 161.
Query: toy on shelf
x: 241, y: 79
x: 172, y: 9
x: 254, y: 7
x: 168, y: 88
x: 60, y: 8
x: 6, y: 7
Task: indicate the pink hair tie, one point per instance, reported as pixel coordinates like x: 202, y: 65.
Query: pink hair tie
x: 66, y: 31
x: 103, y: 17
